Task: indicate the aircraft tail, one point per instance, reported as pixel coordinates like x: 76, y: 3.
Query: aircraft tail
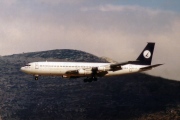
x: 146, y: 55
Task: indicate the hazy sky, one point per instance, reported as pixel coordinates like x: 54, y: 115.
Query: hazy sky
x: 118, y: 29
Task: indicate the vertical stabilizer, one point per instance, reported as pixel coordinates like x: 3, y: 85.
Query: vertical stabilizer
x: 146, y: 55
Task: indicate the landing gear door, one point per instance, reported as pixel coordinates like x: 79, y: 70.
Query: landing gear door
x: 36, y: 66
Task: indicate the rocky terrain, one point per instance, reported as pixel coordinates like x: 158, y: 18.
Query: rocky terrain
x: 135, y: 96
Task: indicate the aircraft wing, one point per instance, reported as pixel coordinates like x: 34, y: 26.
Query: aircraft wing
x: 150, y: 67
x: 112, y: 67
x: 117, y: 66
x: 72, y: 72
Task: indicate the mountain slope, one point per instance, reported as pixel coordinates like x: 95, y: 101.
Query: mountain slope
x: 135, y: 96
x: 61, y: 55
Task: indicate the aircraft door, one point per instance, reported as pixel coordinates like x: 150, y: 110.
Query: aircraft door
x: 130, y: 68
x: 36, y: 66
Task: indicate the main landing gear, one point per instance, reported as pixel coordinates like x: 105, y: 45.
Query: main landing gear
x: 90, y: 79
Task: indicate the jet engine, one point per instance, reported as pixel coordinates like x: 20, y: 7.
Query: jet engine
x: 103, y: 68
x: 84, y: 72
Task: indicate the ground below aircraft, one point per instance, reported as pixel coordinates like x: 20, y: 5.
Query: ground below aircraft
x: 92, y: 70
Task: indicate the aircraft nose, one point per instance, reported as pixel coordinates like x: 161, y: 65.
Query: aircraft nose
x: 22, y: 69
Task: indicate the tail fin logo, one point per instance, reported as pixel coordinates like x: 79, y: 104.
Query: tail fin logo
x: 147, y: 54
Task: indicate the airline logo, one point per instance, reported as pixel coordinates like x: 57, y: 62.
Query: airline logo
x: 147, y: 54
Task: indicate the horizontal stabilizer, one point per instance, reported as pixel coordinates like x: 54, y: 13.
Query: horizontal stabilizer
x: 150, y: 67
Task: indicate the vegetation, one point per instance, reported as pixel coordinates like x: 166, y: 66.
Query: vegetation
x: 136, y: 96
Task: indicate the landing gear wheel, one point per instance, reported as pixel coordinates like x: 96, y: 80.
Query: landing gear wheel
x: 90, y: 80
x: 36, y: 77
x: 85, y: 80
x: 95, y: 79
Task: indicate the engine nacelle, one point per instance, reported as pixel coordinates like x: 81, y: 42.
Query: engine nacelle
x: 84, y: 72
x: 102, y: 68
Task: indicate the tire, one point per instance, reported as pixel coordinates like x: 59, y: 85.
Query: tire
x: 95, y: 79
x: 36, y: 78
x: 85, y: 80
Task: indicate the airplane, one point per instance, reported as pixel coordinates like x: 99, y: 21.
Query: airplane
x: 92, y: 71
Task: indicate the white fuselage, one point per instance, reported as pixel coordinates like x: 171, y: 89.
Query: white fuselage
x: 92, y: 70
x: 61, y: 68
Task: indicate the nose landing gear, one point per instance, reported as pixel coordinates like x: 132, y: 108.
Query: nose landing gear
x: 36, y: 77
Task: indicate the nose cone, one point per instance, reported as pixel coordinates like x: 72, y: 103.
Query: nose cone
x: 22, y: 69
